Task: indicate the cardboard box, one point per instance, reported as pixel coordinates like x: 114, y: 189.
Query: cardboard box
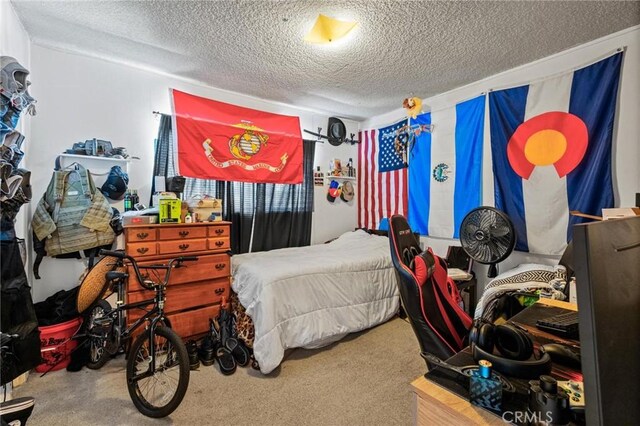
x: 139, y: 220
x: 620, y: 213
x: 206, y: 210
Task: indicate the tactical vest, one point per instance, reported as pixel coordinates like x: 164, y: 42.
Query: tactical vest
x: 72, y: 215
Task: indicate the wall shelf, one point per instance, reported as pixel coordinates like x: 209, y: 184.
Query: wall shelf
x: 94, y: 157
x: 353, y: 178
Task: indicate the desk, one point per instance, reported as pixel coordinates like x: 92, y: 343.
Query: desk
x: 435, y: 405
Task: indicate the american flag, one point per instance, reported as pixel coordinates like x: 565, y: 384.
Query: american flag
x: 388, y: 158
x: 379, y: 194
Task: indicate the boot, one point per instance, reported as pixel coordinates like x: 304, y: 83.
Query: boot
x: 192, y: 350
x: 206, y: 352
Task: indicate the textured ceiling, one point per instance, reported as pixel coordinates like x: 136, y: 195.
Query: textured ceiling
x: 399, y: 48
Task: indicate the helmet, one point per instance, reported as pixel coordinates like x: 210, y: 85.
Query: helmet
x: 14, y: 84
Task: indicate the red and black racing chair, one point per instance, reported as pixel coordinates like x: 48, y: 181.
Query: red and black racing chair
x: 428, y: 295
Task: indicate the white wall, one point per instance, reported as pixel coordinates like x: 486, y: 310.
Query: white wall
x: 15, y: 42
x: 82, y: 97
x: 626, y: 156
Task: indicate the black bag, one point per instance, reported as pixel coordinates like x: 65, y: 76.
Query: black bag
x: 59, y: 308
x: 17, y: 315
x: 116, y: 184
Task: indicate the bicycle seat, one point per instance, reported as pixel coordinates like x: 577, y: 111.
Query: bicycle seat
x: 116, y: 275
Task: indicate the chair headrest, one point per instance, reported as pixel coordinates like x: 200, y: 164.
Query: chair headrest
x: 406, y: 245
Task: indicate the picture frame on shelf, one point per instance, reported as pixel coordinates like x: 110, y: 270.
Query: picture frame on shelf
x: 318, y: 178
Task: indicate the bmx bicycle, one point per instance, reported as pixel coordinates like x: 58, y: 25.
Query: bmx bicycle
x: 157, y: 361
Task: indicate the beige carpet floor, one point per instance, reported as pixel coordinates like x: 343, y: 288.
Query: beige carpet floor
x: 362, y: 380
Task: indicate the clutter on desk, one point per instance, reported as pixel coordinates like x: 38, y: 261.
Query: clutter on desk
x: 132, y: 201
x: 548, y: 402
x: 170, y: 208
x: 485, y: 388
x: 205, y: 209
x: 139, y: 219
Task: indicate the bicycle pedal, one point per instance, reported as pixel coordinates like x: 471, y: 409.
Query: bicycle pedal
x: 103, y: 321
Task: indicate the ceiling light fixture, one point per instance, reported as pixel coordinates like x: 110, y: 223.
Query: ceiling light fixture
x: 327, y: 30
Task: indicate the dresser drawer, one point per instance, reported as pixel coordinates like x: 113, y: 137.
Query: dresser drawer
x: 180, y: 233
x: 194, y: 322
x: 186, y: 246
x: 219, y: 231
x: 207, y: 267
x: 186, y: 323
x: 141, y: 249
x: 219, y: 243
x: 179, y: 298
x: 141, y: 234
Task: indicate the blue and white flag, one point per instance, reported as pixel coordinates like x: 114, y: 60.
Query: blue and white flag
x: 390, y: 156
x: 445, y: 168
x: 551, y: 150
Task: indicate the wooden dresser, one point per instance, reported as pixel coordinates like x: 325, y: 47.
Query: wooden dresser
x: 194, y: 292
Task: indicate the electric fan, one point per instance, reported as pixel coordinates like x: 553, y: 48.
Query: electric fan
x: 487, y: 236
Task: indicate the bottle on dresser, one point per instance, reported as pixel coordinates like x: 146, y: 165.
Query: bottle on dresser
x: 127, y: 201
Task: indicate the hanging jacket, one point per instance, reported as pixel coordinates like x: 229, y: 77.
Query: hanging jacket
x: 72, y: 215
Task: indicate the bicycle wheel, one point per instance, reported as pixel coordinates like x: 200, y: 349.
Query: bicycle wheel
x: 160, y: 394
x: 98, y: 356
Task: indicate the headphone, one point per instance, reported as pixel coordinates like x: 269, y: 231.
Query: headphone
x: 515, y: 347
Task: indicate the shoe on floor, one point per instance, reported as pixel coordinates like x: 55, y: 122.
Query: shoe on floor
x: 226, y: 362
x: 206, y: 352
x: 192, y: 350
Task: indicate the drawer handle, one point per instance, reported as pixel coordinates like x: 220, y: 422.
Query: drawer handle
x: 219, y: 231
x: 142, y: 235
x: 183, y: 233
x: 219, y: 243
x: 183, y: 246
x: 142, y: 250
x: 219, y: 291
x: 220, y: 266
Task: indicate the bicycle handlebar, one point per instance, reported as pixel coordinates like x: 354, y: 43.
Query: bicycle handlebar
x: 187, y: 258
x: 122, y: 255
x: 118, y: 254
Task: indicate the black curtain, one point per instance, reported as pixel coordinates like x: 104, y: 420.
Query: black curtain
x: 264, y: 216
x: 164, y: 161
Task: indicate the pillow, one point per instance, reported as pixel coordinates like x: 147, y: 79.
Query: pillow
x: 423, y: 266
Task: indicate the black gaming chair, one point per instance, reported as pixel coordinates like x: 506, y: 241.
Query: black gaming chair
x: 428, y: 296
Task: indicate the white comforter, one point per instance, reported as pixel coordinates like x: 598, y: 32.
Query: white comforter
x: 313, y: 296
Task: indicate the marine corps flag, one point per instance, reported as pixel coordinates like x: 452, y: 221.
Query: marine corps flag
x: 216, y: 140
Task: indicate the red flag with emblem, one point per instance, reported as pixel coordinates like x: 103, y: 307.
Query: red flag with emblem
x: 216, y: 140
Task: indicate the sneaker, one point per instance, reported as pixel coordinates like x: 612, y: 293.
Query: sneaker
x: 192, y: 350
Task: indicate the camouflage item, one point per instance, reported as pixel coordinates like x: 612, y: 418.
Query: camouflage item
x: 72, y: 215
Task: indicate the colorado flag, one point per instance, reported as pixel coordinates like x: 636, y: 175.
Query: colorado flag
x: 551, y: 151
x: 445, y: 168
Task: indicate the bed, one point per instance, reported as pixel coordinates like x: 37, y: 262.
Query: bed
x: 312, y: 296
